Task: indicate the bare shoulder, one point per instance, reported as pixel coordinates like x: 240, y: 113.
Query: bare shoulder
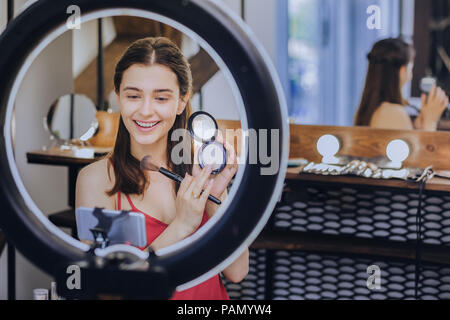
x: 97, y: 172
x: 391, y: 107
x: 93, y: 182
x: 391, y: 116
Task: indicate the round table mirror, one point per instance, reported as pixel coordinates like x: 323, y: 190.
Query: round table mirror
x: 71, y: 117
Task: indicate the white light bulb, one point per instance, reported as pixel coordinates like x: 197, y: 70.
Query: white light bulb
x: 328, y: 146
x: 397, y: 151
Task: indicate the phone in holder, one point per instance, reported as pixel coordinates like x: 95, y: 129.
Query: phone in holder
x: 129, y: 229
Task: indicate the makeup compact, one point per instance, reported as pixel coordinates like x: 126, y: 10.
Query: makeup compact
x: 204, y: 129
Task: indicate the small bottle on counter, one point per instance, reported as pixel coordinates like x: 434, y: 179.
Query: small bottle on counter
x: 53, y: 293
x: 40, y: 294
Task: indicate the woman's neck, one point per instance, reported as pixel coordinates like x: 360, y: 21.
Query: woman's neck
x: 157, y: 150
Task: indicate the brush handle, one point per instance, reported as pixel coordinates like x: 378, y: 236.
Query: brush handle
x: 179, y: 178
x: 171, y: 175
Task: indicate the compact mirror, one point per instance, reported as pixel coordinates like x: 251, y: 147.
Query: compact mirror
x: 204, y: 129
x: 71, y: 117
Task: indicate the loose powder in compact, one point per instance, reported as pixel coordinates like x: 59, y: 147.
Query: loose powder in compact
x: 213, y: 155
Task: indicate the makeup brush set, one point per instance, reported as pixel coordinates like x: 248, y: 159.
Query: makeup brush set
x: 363, y: 169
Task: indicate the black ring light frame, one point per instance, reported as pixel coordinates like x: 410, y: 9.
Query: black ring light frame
x: 250, y: 205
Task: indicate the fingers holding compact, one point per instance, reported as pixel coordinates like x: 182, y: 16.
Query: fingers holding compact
x: 185, y: 184
x: 434, y: 105
x: 232, y: 163
x: 441, y: 98
x: 196, y: 186
x: 438, y: 97
x: 444, y: 98
x: 190, y: 202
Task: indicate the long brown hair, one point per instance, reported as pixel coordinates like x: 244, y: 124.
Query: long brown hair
x: 383, y: 77
x: 130, y: 179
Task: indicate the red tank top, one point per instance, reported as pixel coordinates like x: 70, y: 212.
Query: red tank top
x: 211, y: 289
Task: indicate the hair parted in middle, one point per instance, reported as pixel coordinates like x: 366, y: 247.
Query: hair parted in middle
x: 129, y: 178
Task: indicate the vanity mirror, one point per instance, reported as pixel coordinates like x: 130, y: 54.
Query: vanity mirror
x: 71, y: 119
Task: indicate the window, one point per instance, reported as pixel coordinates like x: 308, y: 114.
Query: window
x: 327, y: 44
x: 304, y: 60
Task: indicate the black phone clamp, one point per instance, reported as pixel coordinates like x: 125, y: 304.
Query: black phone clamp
x: 101, y: 230
x: 111, y: 271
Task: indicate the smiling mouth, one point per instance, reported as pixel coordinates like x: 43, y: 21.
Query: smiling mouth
x: 146, y: 125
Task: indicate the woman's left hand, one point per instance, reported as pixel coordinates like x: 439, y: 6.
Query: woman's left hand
x: 221, y: 180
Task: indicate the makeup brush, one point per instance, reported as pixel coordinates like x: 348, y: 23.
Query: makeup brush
x: 147, y: 164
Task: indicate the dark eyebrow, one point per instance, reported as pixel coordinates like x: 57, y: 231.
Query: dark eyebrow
x: 157, y: 90
x: 163, y: 90
x: 132, y: 88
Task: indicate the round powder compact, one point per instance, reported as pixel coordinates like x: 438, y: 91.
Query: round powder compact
x: 203, y: 128
x: 213, y: 153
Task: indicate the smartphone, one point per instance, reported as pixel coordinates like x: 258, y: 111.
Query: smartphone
x: 129, y: 230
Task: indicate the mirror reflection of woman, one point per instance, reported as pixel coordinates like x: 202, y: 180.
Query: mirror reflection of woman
x: 153, y: 85
x: 391, y: 62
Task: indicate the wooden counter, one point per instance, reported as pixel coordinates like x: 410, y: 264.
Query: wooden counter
x: 57, y: 157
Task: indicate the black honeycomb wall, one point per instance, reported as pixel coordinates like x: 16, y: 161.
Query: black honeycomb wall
x: 316, y: 276
x: 361, y: 212
x: 366, y: 213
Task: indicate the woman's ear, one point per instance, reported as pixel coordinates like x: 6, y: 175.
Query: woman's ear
x: 182, y: 104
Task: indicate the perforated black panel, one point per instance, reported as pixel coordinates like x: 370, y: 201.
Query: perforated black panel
x: 359, y: 212
x: 367, y: 213
x: 299, y: 275
x: 312, y: 276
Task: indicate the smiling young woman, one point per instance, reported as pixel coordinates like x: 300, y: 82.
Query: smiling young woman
x: 153, y: 84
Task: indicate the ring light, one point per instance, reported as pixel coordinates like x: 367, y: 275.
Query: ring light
x: 251, y: 200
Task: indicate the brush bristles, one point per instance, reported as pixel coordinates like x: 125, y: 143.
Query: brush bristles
x: 147, y: 164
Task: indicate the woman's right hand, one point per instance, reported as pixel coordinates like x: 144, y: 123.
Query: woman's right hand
x: 432, y: 108
x: 190, y: 204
